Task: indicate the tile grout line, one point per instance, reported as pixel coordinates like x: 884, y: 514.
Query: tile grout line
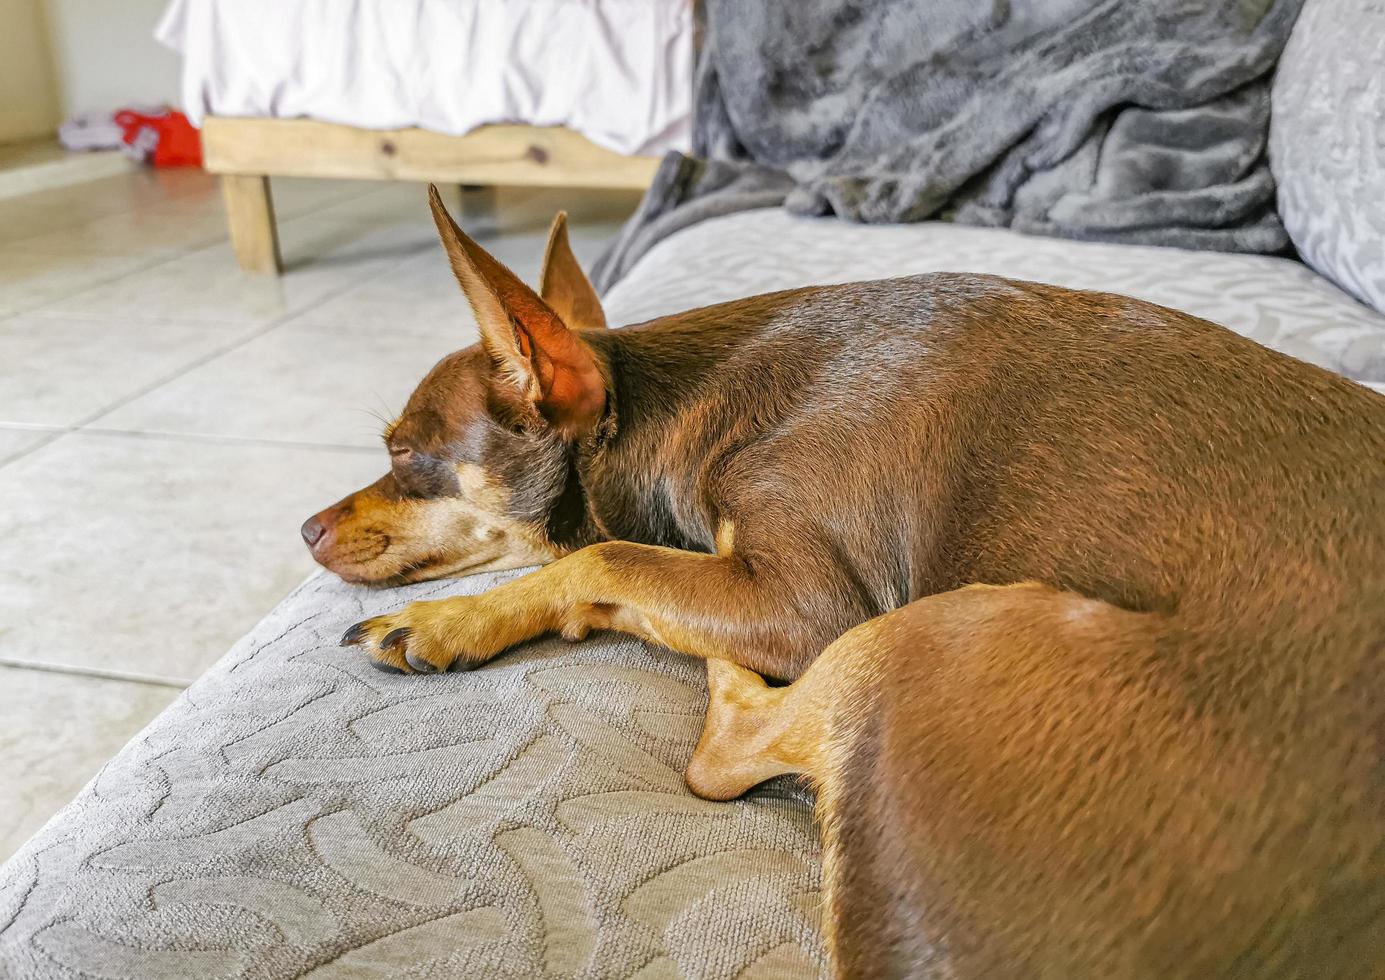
x: 139, y: 393
x: 36, y: 309
x: 96, y: 673
x: 49, y: 437
x: 221, y: 438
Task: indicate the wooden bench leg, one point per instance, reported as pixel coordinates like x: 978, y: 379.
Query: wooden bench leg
x: 250, y: 215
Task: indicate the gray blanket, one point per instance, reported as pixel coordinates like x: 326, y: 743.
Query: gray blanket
x: 1120, y: 120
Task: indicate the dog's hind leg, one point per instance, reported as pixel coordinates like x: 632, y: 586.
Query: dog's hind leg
x: 748, y: 736
x: 755, y: 732
x: 942, y: 739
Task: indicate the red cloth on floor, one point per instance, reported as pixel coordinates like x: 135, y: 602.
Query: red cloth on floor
x: 167, y: 138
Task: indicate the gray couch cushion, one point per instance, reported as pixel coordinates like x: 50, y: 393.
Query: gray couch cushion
x: 297, y: 810
x: 1327, y: 142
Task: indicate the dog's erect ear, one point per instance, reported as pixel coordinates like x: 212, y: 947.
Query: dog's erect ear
x: 562, y: 283
x: 538, y: 358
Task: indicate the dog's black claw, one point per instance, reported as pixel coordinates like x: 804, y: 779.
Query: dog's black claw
x: 419, y: 664
x: 354, y: 635
x: 385, y: 668
x: 394, y: 637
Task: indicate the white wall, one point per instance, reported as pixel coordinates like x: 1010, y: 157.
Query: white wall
x: 106, y: 56
x: 29, y: 101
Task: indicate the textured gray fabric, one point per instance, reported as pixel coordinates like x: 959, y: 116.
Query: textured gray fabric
x: 1327, y: 143
x: 1118, y: 120
x: 297, y: 810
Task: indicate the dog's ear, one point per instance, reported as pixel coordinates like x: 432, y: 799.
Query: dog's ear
x: 538, y: 359
x: 562, y: 283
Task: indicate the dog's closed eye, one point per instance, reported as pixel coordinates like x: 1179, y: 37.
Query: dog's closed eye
x: 419, y: 474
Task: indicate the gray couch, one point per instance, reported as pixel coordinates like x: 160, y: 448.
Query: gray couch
x: 296, y: 812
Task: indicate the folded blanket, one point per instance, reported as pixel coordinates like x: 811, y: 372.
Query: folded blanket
x: 1118, y: 120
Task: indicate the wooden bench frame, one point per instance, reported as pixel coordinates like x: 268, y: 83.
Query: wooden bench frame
x: 247, y: 152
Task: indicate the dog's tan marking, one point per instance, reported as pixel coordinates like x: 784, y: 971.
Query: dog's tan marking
x: 726, y: 538
x: 382, y: 535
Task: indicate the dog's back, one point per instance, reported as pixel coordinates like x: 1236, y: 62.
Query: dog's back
x: 945, y: 429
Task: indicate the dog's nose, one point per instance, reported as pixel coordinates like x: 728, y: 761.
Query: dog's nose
x: 312, y: 530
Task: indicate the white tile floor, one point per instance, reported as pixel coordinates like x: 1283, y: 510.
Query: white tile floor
x: 166, y: 423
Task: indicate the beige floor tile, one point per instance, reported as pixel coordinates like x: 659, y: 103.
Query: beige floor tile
x: 60, y: 371
x: 57, y: 244
x: 59, y: 729
x: 163, y: 213
x: 151, y: 212
x: 166, y: 228
x: 46, y: 211
x: 323, y: 256
x: 22, y: 218
x: 154, y: 555
x: 14, y: 441
x: 30, y: 280
x: 295, y: 384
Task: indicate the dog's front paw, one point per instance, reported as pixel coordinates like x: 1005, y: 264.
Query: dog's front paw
x: 426, y: 637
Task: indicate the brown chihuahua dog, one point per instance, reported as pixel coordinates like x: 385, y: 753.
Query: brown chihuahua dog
x: 1105, y: 583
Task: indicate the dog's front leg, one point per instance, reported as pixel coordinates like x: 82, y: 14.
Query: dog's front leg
x: 708, y: 605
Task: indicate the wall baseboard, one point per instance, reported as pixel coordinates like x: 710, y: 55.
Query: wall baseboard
x: 39, y: 165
